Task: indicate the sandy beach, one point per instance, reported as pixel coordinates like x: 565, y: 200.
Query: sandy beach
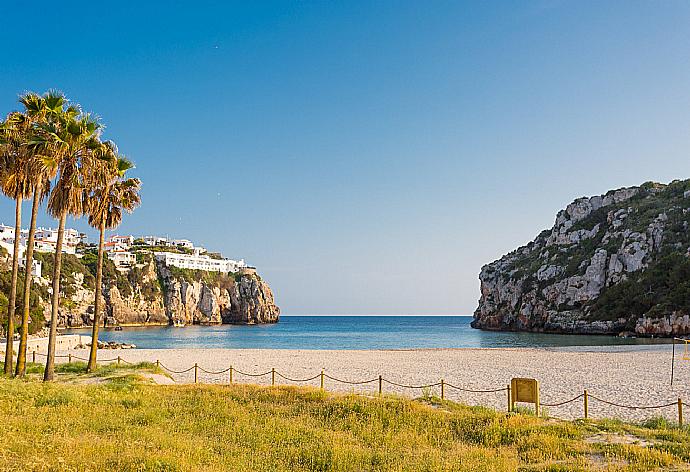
x: 625, y: 375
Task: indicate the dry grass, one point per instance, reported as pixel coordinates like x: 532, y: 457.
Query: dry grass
x: 128, y: 424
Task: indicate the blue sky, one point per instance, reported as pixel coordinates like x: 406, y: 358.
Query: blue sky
x: 368, y: 157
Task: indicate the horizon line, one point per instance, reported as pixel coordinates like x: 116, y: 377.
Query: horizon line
x: 369, y: 314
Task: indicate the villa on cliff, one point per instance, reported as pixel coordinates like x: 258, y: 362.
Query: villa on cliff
x: 183, y: 254
x: 45, y: 239
x: 198, y: 261
x: 122, y: 250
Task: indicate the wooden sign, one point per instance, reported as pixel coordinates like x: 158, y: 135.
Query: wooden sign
x: 526, y: 391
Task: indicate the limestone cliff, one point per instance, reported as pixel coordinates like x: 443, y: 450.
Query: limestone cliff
x: 611, y: 263
x: 140, y: 304
x: 243, y: 298
x: 158, y: 295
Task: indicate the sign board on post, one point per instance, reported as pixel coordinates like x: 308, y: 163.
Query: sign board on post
x: 526, y: 391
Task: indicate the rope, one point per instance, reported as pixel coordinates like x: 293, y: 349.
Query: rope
x: 412, y: 386
x: 565, y: 402
x: 349, y: 382
x: 213, y: 372
x: 475, y: 391
x: 175, y: 371
x: 55, y: 355
x: 251, y: 375
x: 298, y: 380
x: 633, y: 407
x: 390, y: 382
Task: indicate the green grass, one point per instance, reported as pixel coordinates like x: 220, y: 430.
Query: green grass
x: 122, y: 422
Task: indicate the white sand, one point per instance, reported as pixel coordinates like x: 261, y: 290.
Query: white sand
x: 628, y: 375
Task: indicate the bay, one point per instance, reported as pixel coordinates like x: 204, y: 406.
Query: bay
x: 351, y: 332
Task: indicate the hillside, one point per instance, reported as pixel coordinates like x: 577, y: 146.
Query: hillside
x: 611, y: 263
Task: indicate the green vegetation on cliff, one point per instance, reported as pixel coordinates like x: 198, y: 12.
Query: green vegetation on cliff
x: 216, y: 279
x: 86, y: 265
x: 662, y: 288
x: 131, y: 425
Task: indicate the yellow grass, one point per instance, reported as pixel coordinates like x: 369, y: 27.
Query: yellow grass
x: 116, y: 420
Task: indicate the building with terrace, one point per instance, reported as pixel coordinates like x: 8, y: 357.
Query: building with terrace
x: 199, y: 261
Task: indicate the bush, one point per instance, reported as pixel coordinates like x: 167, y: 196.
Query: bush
x: 660, y: 289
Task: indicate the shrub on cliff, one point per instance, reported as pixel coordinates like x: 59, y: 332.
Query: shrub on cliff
x: 662, y: 288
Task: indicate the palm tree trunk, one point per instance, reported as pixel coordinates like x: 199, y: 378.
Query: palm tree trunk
x: 23, y: 338
x: 9, y: 347
x: 49, y: 372
x: 97, y: 302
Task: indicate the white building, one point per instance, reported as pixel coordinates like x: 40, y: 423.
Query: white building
x: 186, y: 243
x: 198, y: 261
x: 6, y: 233
x: 36, y: 266
x: 45, y: 240
x: 126, y: 241
x: 123, y: 260
x: 155, y: 241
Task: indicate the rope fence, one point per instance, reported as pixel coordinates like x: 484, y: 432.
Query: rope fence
x: 586, y: 397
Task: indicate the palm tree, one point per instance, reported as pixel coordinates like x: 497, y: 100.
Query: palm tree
x: 40, y: 109
x: 70, y: 145
x: 104, y: 207
x: 14, y: 182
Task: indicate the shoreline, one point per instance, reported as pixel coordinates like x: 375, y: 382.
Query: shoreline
x: 630, y: 377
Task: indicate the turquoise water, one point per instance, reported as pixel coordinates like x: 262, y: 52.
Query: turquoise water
x: 350, y: 332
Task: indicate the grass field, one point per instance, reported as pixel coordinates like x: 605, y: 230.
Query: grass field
x: 116, y: 419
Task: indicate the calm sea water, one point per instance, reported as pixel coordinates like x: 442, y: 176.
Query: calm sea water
x: 349, y: 332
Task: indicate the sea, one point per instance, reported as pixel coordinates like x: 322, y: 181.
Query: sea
x: 350, y: 333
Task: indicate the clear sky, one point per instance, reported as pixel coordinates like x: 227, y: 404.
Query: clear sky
x: 368, y: 157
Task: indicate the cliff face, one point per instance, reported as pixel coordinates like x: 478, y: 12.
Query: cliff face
x: 138, y: 306
x: 245, y: 299
x: 159, y: 297
x: 611, y: 263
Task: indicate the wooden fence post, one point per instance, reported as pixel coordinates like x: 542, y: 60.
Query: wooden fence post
x: 34, y: 356
x: 443, y: 393
x: 196, y: 372
x: 510, y: 400
x: 273, y: 376
x: 380, y: 385
x: 230, y: 375
x: 118, y: 360
x: 321, y: 379
x: 69, y: 358
x: 680, y: 412
x: 586, y: 398
x: 158, y: 364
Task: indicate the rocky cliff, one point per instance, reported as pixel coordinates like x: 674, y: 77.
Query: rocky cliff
x: 610, y: 263
x: 160, y: 295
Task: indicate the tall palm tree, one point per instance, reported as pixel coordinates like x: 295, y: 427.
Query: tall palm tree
x: 40, y: 109
x: 104, y: 208
x: 71, y: 143
x: 14, y: 182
